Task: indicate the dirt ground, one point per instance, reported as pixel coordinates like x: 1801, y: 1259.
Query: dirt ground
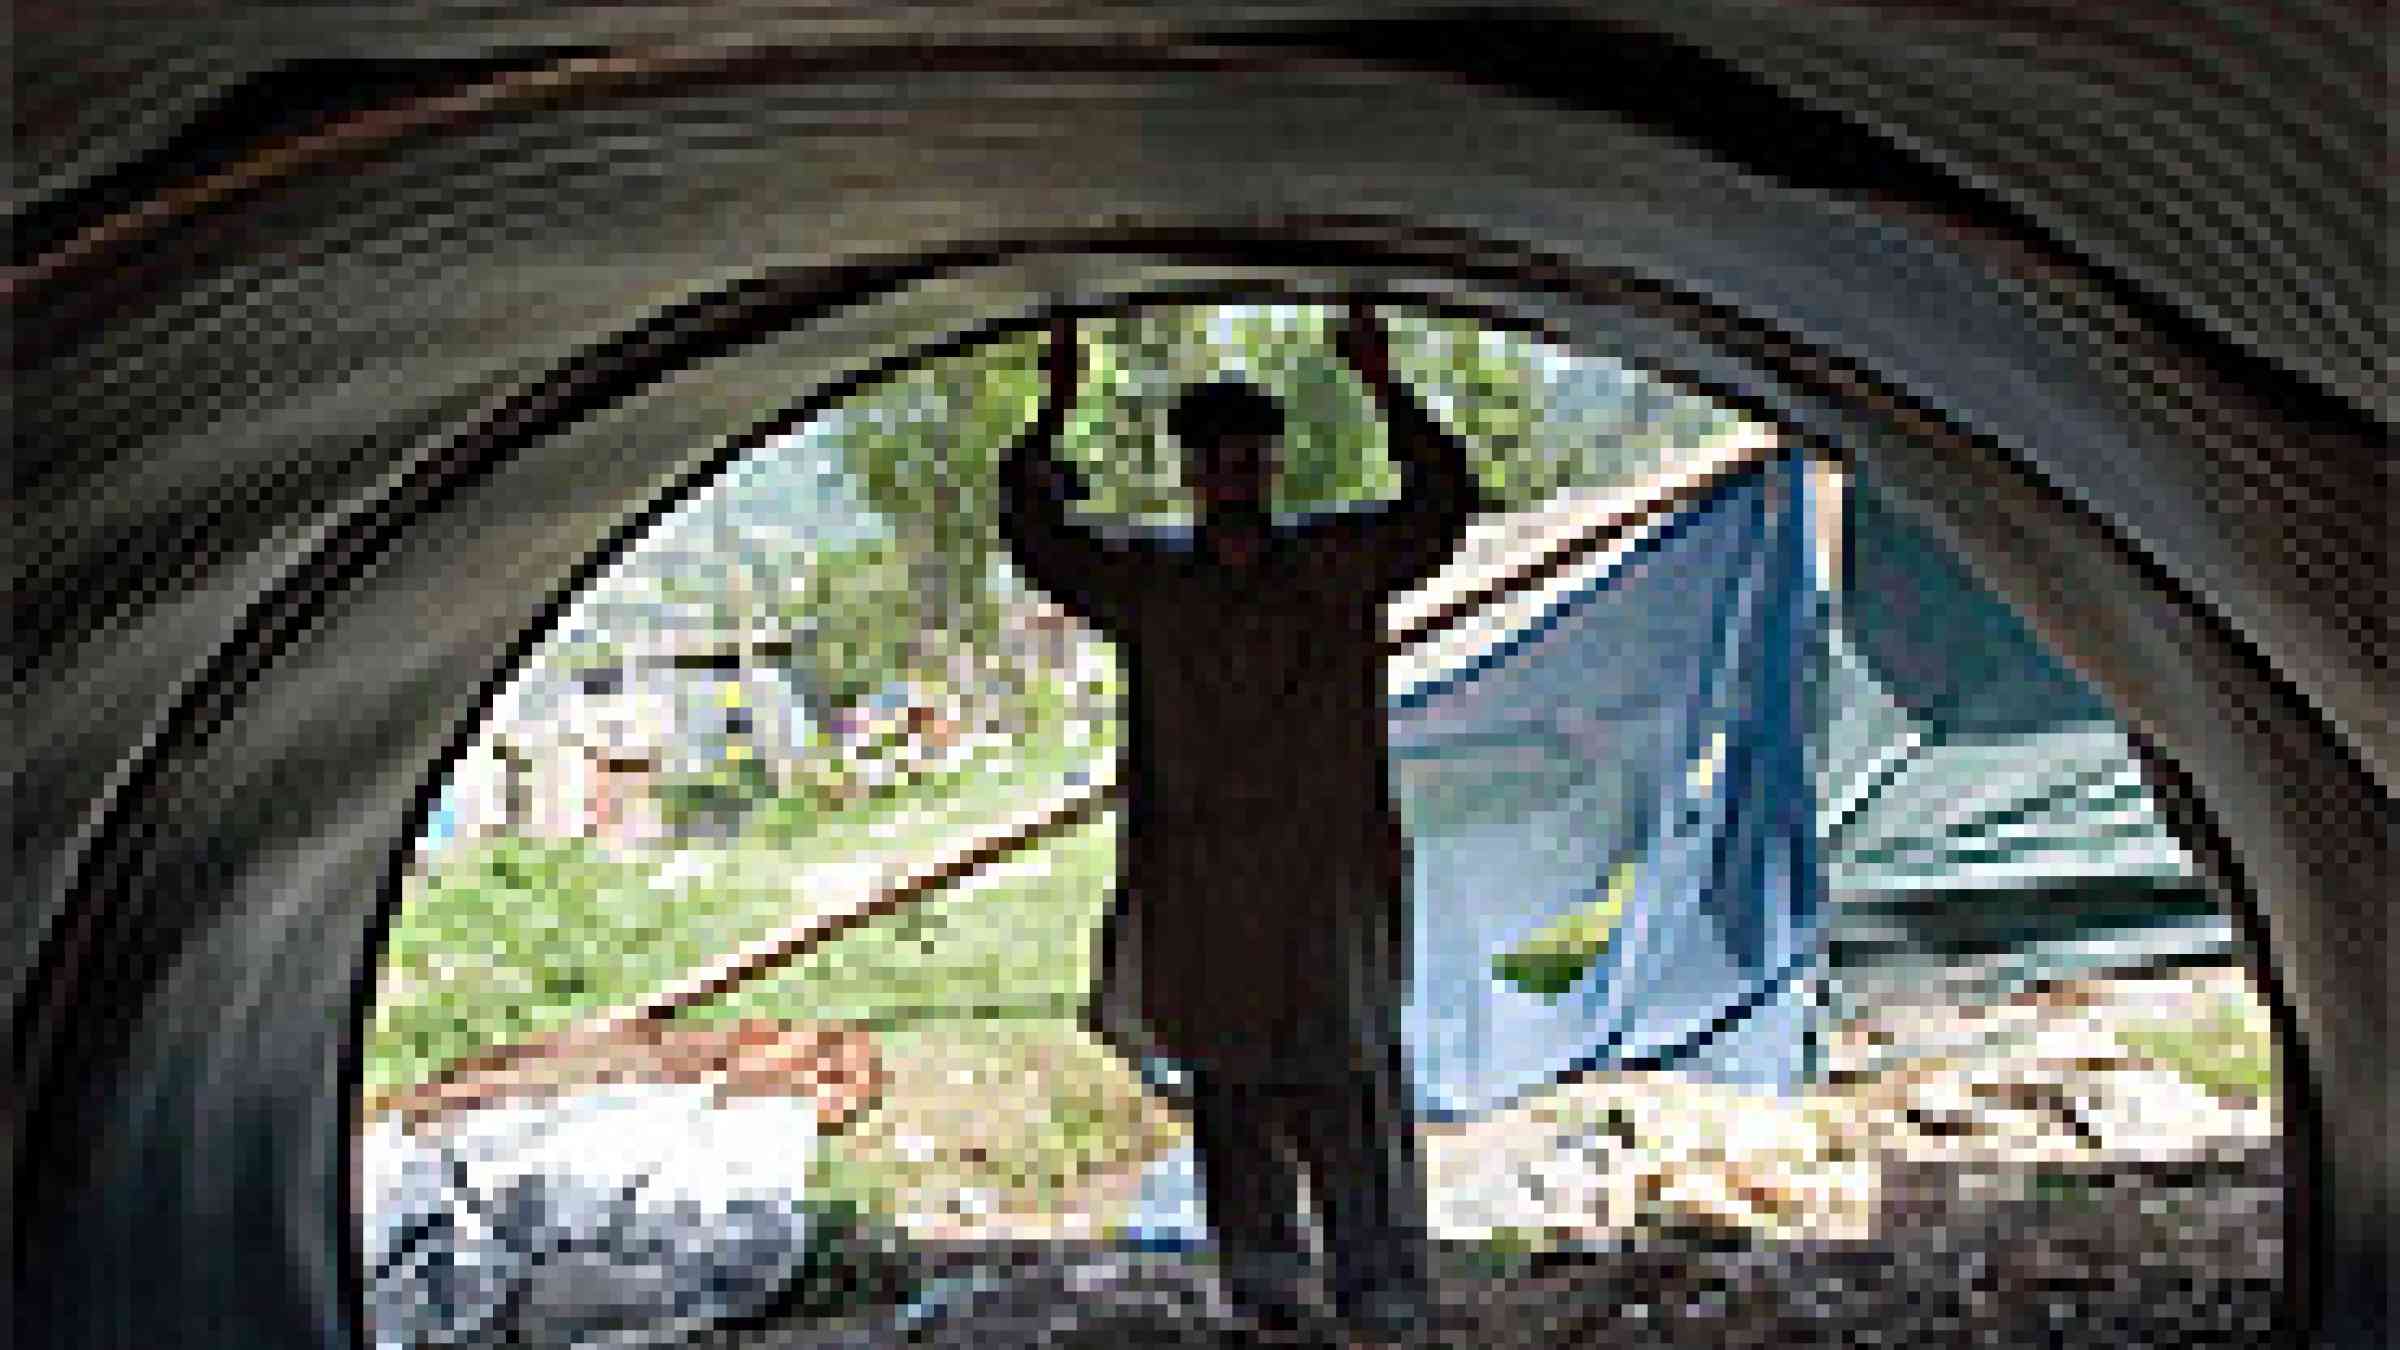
x: 2025, y: 1175
x: 2024, y: 1178
x: 2162, y: 1259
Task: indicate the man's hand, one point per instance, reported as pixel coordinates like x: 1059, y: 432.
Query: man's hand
x: 1065, y: 365
x: 1413, y: 537
x: 1363, y: 343
x: 1066, y: 370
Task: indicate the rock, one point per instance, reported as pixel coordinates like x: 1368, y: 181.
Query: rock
x: 1604, y: 1156
x: 2156, y: 1114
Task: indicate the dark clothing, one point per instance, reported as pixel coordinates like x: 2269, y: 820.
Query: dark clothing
x: 1260, y: 938
x: 1260, y: 930
x: 1354, y: 1140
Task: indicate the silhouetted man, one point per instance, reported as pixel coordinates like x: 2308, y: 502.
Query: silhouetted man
x: 1260, y: 938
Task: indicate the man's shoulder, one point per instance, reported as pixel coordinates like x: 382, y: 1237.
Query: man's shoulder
x: 1350, y: 532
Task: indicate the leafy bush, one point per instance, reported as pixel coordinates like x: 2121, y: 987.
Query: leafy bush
x: 506, y: 937
x: 854, y: 1261
x: 510, y: 936
x: 719, y: 794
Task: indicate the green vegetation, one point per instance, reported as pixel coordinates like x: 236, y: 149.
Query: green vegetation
x: 510, y: 937
x: 1025, y: 1112
x: 720, y: 792
x: 924, y: 451
x: 855, y: 1260
x: 1553, y: 959
x: 919, y: 811
x: 1016, y: 945
x: 507, y: 937
x: 2068, y: 1189
x: 2230, y: 1053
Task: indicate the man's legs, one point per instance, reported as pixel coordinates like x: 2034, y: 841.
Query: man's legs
x: 1250, y: 1182
x: 1358, y: 1139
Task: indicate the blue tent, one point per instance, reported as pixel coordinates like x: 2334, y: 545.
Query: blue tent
x: 1983, y: 822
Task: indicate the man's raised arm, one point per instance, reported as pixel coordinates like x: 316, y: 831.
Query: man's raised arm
x: 1416, y: 536
x: 1079, y: 571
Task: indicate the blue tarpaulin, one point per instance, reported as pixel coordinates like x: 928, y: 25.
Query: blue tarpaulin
x: 1612, y: 819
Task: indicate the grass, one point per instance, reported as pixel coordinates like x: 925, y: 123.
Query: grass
x: 513, y: 936
x: 1016, y: 945
x: 1016, y: 1117
x: 506, y: 937
x: 2231, y: 1052
x: 995, y: 1090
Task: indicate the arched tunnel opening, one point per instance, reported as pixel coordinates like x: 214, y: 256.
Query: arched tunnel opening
x: 306, y: 446
x: 2026, y: 1027
x: 898, y: 1277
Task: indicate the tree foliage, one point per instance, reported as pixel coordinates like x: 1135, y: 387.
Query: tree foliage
x: 921, y: 452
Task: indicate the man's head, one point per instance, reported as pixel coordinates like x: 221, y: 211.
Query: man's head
x: 1230, y: 432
